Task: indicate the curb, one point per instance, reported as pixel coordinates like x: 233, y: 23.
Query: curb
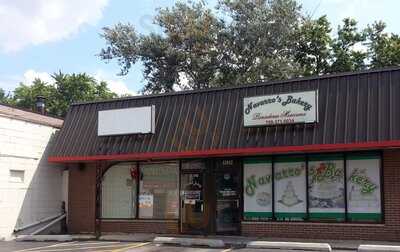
x: 378, y: 248
x: 58, y: 238
x: 128, y: 238
x: 212, y: 243
x: 289, y: 246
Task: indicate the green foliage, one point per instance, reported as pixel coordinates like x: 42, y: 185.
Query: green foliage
x: 66, y: 89
x: 199, y: 50
x: 244, y: 41
x: 260, y: 39
x: 384, y: 49
x: 344, y: 56
x: 25, y: 95
x: 313, y: 46
x: 4, y: 98
x: 70, y: 88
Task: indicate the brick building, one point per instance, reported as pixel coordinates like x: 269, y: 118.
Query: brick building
x: 308, y: 158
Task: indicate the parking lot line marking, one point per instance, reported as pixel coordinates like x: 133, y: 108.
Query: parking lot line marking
x: 131, y: 247
x: 63, y: 244
x: 87, y: 243
x: 56, y: 249
x: 36, y: 248
x: 227, y: 250
x: 49, y: 246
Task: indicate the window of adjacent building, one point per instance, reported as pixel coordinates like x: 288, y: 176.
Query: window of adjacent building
x: 326, y: 187
x: 119, y: 191
x: 17, y: 176
x: 290, y: 188
x: 257, y: 185
x: 363, y: 188
x: 159, y: 191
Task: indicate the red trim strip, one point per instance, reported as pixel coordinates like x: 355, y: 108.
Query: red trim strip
x: 231, y: 152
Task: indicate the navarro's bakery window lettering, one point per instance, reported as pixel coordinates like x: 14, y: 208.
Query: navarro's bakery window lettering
x: 290, y: 188
x: 257, y: 184
x: 276, y: 188
x: 326, y: 187
x: 363, y: 188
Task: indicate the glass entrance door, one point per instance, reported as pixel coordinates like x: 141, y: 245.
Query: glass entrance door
x: 227, y: 198
x: 193, y: 203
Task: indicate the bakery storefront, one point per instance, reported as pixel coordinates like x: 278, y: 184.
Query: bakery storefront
x: 306, y: 158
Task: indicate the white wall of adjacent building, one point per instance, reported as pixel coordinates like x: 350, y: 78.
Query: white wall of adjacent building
x: 31, y: 189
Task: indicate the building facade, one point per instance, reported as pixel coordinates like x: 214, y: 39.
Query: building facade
x: 30, y: 187
x: 306, y: 158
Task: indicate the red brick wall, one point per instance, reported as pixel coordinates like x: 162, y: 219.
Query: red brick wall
x: 81, y: 199
x: 390, y: 230
x: 140, y: 226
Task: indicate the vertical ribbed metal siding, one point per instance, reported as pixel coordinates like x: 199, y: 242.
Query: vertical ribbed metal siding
x: 352, y: 108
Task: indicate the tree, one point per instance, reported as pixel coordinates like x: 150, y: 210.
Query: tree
x: 4, y: 98
x: 383, y: 49
x: 244, y: 41
x: 345, y: 57
x: 313, y: 46
x: 66, y: 89
x: 25, y: 95
x: 198, y: 49
x: 260, y: 39
x: 186, y: 56
x: 70, y: 88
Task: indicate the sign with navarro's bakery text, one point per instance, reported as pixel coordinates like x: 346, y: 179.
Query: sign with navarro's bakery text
x: 300, y: 107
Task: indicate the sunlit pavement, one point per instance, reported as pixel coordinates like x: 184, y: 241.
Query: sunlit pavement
x: 104, y: 246
x: 69, y: 246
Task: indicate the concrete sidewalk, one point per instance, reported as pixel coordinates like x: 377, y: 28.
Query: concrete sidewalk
x: 241, y: 241
x: 231, y: 241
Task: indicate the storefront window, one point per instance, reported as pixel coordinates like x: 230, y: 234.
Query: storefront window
x: 329, y: 177
x: 290, y: 188
x: 326, y: 187
x: 159, y: 191
x: 119, y: 191
x: 257, y: 184
x: 363, y: 188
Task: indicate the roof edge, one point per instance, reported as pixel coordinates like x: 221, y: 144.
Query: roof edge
x: 256, y: 84
x: 371, y: 145
x: 15, y: 113
x: 30, y: 111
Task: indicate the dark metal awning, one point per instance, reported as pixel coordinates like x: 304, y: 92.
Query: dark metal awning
x: 356, y: 111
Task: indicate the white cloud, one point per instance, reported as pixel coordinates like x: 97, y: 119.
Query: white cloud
x: 30, y: 75
x: 35, y: 22
x: 115, y: 84
x: 10, y: 82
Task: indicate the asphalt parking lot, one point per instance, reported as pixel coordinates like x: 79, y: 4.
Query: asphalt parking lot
x: 104, y: 246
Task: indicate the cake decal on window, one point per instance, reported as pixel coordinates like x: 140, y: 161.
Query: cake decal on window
x: 289, y: 197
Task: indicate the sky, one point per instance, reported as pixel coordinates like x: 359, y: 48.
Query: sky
x: 41, y: 37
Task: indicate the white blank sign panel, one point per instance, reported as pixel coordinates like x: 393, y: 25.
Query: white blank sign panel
x: 137, y: 120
